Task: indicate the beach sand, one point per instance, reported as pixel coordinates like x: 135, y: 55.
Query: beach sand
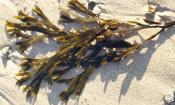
x: 143, y: 78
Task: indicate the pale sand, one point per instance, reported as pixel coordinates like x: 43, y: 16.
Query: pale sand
x: 142, y: 82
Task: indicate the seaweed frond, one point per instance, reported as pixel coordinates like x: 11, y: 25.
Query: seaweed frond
x: 77, y: 6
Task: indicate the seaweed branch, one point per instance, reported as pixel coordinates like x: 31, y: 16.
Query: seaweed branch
x: 88, y: 49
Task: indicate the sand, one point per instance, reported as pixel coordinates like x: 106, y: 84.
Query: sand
x: 143, y: 82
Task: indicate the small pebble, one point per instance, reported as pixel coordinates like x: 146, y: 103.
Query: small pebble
x: 91, y: 5
x: 169, y: 99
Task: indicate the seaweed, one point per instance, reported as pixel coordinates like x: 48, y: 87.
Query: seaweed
x: 89, y: 48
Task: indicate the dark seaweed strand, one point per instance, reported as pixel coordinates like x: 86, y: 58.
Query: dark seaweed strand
x: 46, y: 20
x: 34, y: 28
x: 32, y: 20
x: 76, y: 84
x: 125, y: 53
x: 77, y: 6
